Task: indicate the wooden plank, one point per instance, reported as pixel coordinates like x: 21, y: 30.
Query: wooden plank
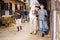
x: 58, y: 26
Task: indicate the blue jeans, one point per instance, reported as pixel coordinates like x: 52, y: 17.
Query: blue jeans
x: 42, y: 25
x: 25, y: 17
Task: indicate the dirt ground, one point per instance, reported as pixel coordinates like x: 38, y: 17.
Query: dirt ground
x: 11, y: 33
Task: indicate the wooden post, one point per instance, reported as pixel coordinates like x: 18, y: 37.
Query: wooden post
x: 52, y: 19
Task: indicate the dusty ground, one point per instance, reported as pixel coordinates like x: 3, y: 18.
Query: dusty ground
x: 10, y: 33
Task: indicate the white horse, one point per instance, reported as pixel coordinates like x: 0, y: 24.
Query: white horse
x: 32, y: 19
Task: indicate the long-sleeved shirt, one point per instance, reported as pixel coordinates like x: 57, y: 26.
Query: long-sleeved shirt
x: 42, y: 14
x: 17, y: 15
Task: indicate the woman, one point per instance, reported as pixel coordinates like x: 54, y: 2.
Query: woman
x: 17, y: 16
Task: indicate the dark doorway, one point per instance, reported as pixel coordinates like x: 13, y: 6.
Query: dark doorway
x: 16, y: 7
x: 1, y: 7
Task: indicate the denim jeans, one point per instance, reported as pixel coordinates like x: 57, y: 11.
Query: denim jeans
x: 26, y: 17
x: 42, y: 25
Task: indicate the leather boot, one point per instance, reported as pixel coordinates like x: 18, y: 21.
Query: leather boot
x: 18, y: 28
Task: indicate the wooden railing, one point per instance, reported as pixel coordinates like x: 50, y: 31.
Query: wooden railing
x: 58, y: 25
